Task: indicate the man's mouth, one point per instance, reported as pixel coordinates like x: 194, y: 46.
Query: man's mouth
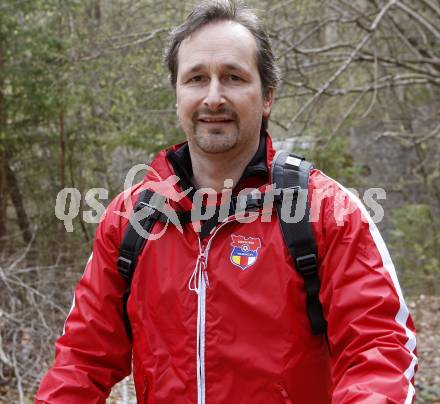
x: 215, y: 120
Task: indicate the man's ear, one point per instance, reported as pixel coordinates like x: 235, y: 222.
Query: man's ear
x: 268, y: 102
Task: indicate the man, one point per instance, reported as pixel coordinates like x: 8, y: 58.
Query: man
x: 208, y: 325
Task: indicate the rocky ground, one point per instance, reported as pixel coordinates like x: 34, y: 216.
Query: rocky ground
x: 425, y: 310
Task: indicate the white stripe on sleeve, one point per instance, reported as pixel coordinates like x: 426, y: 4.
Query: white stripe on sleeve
x: 403, y: 312
x: 73, y: 300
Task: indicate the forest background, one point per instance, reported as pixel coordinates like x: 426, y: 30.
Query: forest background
x: 84, y: 96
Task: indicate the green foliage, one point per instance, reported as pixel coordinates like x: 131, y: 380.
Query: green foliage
x: 34, y: 63
x: 332, y: 156
x: 415, y: 245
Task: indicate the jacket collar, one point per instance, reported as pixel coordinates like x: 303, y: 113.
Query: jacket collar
x: 256, y: 171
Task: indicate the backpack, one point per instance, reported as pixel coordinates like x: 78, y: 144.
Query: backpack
x: 290, y: 174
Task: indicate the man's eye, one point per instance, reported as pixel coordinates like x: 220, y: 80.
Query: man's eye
x: 233, y: 77
x: 196, y: 79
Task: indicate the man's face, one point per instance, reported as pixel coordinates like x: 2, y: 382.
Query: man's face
x: 219, y: 96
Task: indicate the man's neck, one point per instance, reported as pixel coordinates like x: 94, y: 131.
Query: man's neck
x: 211, y: 170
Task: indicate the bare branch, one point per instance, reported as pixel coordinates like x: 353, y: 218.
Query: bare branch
x: 304, y: 38
x: 432, y: 6
x: 386, y: 82
x: 141, y: 41
x: 433, y: 134
x: 3, y: 357
x: 24, y: 253
x: 278, y: 123
x: 280, y: 5
x: 38, y: 293
x: 16, y: 369
x: 346, y: 115
x: 344, y: 66
x: 407, y: 64
x: 393, y: 82
x: 373, y: 100
x: 420, y: 18
x: 323, y: 49
x: 401, y: 34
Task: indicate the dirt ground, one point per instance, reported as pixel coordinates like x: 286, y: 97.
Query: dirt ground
x: 425, y: 310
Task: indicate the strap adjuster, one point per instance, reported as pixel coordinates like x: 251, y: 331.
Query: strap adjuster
x: 307, y: 265
x: 155, y: 213
x: 246, y: 203
x: 124, y: 265
x: 290, y: 192
x: 253, y: 203
x: 139, y: 206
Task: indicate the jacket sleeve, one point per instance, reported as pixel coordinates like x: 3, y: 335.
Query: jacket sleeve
x: 370, y: 332
x: 94, y: 351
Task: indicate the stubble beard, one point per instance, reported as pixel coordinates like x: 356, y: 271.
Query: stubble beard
x: 216, y: 141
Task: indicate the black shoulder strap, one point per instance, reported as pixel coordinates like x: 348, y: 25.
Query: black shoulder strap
x: 133, y: 242
x: 148, y: 210
x: 290, y: 173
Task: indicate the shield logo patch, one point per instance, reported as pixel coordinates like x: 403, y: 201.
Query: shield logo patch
x: 244, y: 251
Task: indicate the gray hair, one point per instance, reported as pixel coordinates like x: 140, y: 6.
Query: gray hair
x: 225, y: 10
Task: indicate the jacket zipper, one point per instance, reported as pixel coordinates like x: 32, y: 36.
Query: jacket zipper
x: 198, y: 283
x: 201, y: 337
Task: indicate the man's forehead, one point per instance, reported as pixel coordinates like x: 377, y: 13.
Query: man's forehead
x: 229, y: 42
x: 219, y: 29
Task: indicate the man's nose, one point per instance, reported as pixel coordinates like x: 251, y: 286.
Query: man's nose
x: 214, y: 98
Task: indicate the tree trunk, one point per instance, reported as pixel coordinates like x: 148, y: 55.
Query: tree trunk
x: 3, y: 199
x: 3, y: 187
x: 17, y: 201
x: 62, y: 152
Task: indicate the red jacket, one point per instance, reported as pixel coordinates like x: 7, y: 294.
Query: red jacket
x: 245, y: 337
